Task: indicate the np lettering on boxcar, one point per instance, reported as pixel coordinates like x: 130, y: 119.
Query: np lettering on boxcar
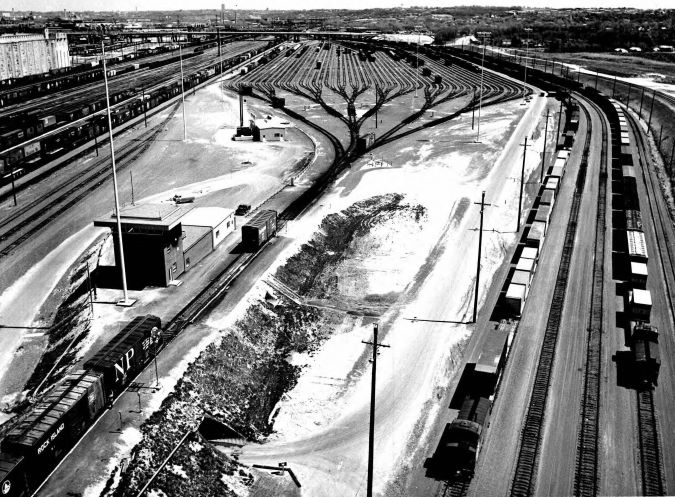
x: 123, y: 365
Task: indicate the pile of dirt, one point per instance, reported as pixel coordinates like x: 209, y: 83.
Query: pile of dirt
x: 238, y: 380
x: 311, y: 272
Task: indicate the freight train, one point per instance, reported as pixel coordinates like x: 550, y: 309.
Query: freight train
x: 35, y: 445
x: 642, y: 337
x: 460, y: 444
x: 24, y: 158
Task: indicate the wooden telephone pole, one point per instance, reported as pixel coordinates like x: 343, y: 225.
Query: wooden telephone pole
x: 483, y: 205
x: 371, y: 430
x: 522, y: 185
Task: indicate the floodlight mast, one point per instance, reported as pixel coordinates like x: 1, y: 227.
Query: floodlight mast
x: 182, y: 89
x: 483, y: 35
x: 114, y: 177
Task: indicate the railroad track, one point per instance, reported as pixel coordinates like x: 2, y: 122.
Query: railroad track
x: 46, y: 209
x: 457, y: 488
x: 530, y: 440
x: 651, y: 459
x: 650, y: 450
x: 586, y: 471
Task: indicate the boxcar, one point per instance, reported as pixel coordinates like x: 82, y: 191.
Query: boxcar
x: 55, y: 424
x: 126, y: 354
x: 12, y: 476
x: 259, y: 229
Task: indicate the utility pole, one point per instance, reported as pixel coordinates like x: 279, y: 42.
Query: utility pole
x: 145, y: 114
x: 641, y: 98
x: 13, y: 187
x: 483, y: 205
x: 557, y: 133
x: 650, y: 110
x: 473, y: 108
x: 371, y: 430
x: 220, y: 58
x: 596, y: 79
x: 527, y: 46
x: 484, y: 34
x: 182, y: 90
x: 543, y: 158
x: 131, y: 178
x: 522, y: 185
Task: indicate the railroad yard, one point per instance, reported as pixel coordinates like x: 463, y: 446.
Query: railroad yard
x: 300, y: 211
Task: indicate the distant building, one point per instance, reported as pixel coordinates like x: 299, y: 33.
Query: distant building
x: 26, y: 54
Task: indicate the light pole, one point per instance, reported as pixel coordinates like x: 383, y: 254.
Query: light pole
x: 484, y: 35
x: 126, y: 301
x: 182, y: 90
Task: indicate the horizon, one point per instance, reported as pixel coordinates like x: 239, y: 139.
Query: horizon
x: 25, y: 6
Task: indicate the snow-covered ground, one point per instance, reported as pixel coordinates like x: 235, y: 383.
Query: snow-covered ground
x: 222, y: 171
x: 321, y: 425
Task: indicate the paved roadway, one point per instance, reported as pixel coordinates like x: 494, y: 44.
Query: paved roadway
x: 496, y: 464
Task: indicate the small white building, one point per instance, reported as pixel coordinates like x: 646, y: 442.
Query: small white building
x: 218, y: 219
x: 268, y: 129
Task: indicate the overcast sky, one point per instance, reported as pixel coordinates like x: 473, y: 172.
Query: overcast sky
x: 125, y: 5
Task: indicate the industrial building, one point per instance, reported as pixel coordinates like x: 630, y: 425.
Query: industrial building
x: 163, y: 241
x: 32, y: 53
x: 204, y: 228
x: 153, y: 242
x: 268, y: 129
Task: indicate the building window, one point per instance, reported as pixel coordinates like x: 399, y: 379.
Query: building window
x: 174, y: 267
x: 217, y: 233
x: 187, y: 262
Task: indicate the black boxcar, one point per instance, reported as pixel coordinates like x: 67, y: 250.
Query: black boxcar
x: 647, y: 361
x: 126, y: 354
x: 259, y: 229
x: 12, y: 476
x: 461, y: 440
x: 55, y: 424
